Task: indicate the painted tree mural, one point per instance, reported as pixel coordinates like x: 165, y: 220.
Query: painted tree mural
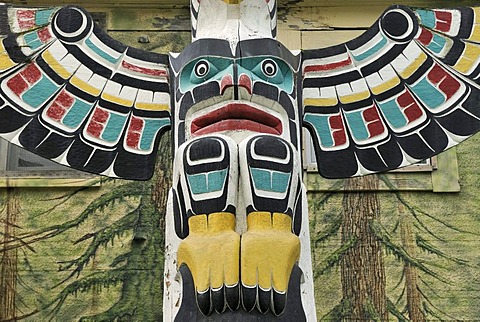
x: 362, y: 267
x: 8, y: 257
x: 372, y: 239
x: 140, y: 270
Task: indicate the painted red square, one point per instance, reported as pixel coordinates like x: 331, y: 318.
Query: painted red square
x: 100, y: 115
x: 26, y: 19
x: 446, y: 82
x: 17, y: 84
x: 31, y: 73
x: 413, y: 113
x: 133, y: 139
x: 95, y: 129
x: 65, y: 99
x: 44, y: 35
x: 336, y: 122
x: 56, y: 112
x: 405, y: 99
x: 444, y: 17
x: 136, y: 124
x: 443, y: 26
x: 339, y: 137
x: 371, y: 114
x: 425, y: 37
x: 375, y: 128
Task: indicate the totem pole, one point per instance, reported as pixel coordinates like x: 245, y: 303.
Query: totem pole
x: 237, y: 197
x: 236, y: 100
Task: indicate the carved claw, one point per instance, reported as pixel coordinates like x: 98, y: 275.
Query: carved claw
x: 211, y: 252
x: 269, y: 250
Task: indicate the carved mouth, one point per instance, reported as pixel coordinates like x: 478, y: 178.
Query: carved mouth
x: 236, y: 116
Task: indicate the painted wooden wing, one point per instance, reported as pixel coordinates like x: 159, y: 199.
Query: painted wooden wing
x: 72, y: 94
x: 405, y: 90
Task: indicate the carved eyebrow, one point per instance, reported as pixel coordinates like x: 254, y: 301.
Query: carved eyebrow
x: 267, y: 47
x: 201, y: 48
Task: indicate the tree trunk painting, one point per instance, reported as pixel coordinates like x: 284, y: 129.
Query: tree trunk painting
x: 8, y: 262
x: 414, y: 298
x: 362, y: 268
x: 163, y: 179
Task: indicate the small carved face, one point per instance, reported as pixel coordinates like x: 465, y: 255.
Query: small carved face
x: 253, y: 90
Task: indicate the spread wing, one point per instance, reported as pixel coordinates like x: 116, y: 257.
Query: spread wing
x: 405, y: 90
x: 72, y: 94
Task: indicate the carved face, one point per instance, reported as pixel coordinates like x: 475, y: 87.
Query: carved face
x: 250, y: 91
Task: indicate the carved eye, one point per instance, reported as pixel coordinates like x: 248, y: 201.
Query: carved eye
x: 202, y: 68
x: 269, y: 67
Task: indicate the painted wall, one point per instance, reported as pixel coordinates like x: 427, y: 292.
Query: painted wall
x: 443, y: 240
x: 94, y: 253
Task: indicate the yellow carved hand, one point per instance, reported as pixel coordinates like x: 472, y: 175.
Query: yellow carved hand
x: 211, y: 252
x: 269, y: 250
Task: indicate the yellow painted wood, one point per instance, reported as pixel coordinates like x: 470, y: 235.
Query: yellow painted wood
x: 413, y: 67
x: 320, y: 101
x: 55, y: 65
x: 468, y: 59
x: 387, y: 85
x: 269, y: 250
x: 152, y: 107
x: 5, y: 61
x: 211, y: 251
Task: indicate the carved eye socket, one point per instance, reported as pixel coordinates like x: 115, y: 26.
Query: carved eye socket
x: 269, y: 67
x: 202, y: 68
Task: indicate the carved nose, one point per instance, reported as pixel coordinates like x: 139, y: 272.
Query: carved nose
x: 243, y: 81
x: 227, y: 81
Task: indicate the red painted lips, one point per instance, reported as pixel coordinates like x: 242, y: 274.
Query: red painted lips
x: 236, y: 116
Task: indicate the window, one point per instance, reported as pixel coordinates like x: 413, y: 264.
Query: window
x: 20, y: 168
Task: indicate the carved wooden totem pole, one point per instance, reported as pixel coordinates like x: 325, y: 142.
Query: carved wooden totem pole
x: 236, y: 100
x: 237, y: 196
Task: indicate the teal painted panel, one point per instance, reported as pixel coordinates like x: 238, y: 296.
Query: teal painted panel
x: 392, y: 111
x: 428, y: 93
x: 150, y: 132
x: 427, y: 18
x: 36, y: 95
x: 357, y: 125
x: 372, y: 51
x: 268, y: 180
x: 42, y: 17
x: 32, y: 40
x: 207, y: 182
x: 114, y: 127
x: 437, y: 44
x: 100, y: 52
x: 322, y: 127
x: 77, y: 113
